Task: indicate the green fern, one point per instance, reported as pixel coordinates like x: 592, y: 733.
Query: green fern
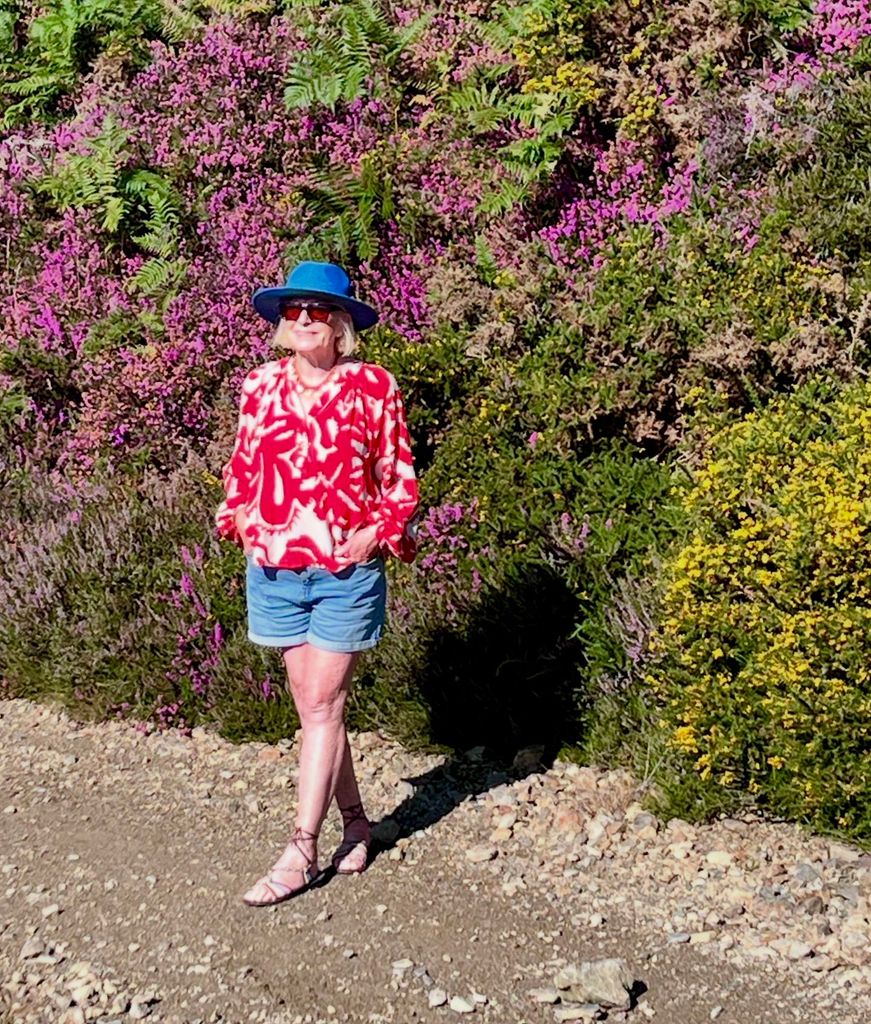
x: 242, y: 8
x: 90, y: 179
x: 159, y: 276
x: 118, y: 328
x: 66, y: 39
x: 348, y: 207
x: 153, y: 200
x: 179, y: 20
x: 353, y: 49
x: 485, y: 261
x: 136, y: 203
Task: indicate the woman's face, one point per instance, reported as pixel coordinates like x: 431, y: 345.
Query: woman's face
x: 307, y: 336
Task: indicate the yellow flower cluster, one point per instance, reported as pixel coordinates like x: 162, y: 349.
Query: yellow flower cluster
x: 570, y: 77
x: 642, y: 105
x: 551, y: 38
x: 762, y: 660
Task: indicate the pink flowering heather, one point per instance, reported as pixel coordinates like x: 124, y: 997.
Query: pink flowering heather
x: 198, y: 648
x: 625, y: 190
x: 839, y: 26
x: 396, y: 283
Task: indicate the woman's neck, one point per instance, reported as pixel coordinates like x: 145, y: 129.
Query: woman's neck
x: 311, y: 367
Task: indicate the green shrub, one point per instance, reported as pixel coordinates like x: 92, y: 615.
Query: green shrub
x: 762, y: 653
x: 511, y: 623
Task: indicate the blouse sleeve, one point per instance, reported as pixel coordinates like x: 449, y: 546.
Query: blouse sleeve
x: 238, y: 471
x: 394, y: 473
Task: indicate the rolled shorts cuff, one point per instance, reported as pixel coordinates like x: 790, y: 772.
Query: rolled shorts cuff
x: 348, y: 647
x: 343, y: 647
x: 277, y: 641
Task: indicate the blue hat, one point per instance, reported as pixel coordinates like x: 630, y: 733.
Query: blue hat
x: 315, y: 281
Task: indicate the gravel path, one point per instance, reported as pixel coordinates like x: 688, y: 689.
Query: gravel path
x: 124, y: 856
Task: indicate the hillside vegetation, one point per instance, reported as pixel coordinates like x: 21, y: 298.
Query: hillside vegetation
x: 622, y: 255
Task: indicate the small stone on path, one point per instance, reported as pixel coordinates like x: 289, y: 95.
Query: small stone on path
x: 481, y: 854
x: 586, y: 1011
x: 607, y: 982
x: 550, y: 994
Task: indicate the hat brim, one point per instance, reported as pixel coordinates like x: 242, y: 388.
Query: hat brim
x: 267, y: 302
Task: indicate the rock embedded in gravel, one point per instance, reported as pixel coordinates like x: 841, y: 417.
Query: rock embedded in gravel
x: 585, y: 1011
x: 436, y: 997
x: 481, y: 854
x: 141, y: 1005
x: 32, y: 948
x: 460, y: 1005
x: 791, y: 949
x: 548, y: 994
x: 528, y: 759
x: 607, y: 982
x: 719, y: 858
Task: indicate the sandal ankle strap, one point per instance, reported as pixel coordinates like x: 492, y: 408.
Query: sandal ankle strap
x: 300, y: 835
x: 352, y: 813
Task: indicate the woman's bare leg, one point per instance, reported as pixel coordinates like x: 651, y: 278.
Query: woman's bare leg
x: 353, y: 854
x: 320, y: 693
x: 319, y: 681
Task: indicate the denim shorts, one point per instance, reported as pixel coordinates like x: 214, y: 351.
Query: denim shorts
x: 337, y: 611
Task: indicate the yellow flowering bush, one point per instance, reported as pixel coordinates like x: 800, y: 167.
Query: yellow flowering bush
x: 570, y: 77
x: 642, y: 106
x: 761, y: 660
x: 550, y: 43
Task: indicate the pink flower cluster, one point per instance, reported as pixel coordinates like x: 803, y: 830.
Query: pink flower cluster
x: 443, y: 536
x: 625, y: 189
x: 839, y: 26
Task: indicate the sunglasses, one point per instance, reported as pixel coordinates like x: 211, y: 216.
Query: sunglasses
x: 319, y: 313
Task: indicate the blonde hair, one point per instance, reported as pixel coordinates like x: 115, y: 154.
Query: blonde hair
x: 345, y: 333
x: 347, y: 341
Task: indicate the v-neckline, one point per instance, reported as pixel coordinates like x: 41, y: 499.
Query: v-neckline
x: 324, y: 394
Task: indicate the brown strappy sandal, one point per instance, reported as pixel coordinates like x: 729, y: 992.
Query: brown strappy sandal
x: 351, y: 814
x: 281, y: 891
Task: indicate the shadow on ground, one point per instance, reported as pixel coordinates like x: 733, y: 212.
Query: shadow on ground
x: 503, y: 694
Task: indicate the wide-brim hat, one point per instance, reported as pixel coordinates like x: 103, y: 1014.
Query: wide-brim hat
x: 310, y: 280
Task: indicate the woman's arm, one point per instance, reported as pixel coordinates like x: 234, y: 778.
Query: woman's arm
x: 230, y: 517
x: 394, y: 471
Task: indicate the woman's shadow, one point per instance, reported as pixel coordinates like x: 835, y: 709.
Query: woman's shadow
x: 504, y: 695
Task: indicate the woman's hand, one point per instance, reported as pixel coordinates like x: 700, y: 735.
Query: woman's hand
x: 241, y: 521
x: 359, y: 547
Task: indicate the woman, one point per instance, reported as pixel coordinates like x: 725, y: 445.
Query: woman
x: 319, y: 488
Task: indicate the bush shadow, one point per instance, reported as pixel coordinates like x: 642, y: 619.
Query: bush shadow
x: 503, y: 694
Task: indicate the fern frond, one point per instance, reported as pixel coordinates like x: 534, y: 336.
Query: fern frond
x: 179, y: 20
x: 242, y: 8
x: 504, y: 199
x: 158, y: 275
x: 485, y: 261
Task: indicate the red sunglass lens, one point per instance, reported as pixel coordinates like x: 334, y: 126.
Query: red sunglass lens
x: 319, y: 314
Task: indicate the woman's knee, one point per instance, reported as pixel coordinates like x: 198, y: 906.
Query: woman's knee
x: 318, y: 706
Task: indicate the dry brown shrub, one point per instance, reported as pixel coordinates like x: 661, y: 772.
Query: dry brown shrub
x: 809, y: 348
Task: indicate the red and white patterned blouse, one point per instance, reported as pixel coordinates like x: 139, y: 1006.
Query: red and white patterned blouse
x: 307, y: 479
